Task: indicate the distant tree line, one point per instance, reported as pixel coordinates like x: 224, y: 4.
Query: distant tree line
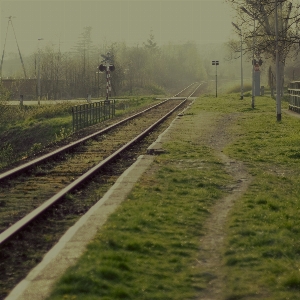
x: 146, y: 68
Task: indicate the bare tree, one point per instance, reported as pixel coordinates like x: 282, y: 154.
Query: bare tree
x: 256, y: 19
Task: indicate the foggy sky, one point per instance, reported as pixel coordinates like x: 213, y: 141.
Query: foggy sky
x: 61, y: 22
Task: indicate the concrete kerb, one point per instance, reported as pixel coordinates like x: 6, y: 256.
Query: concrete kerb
x: 39, y: 282
x: 156, y: 147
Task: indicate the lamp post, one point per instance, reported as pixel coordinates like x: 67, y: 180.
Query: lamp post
x: 253, y: 55
x: 242, y: 83
x: 39, y: 71
x: 216, y: 63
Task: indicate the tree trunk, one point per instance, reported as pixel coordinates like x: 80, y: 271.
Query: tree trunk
x: 271, y: 81
x: 281, y: 70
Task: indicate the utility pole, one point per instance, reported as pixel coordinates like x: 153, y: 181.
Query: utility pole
x: 21, y: 59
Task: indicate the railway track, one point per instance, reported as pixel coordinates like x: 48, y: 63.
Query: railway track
x: 189, y: 90
x: 42, y: 198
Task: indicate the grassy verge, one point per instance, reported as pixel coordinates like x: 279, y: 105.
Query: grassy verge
x: 25, y: 131
x: 261, y: 255
x: 149, y: 246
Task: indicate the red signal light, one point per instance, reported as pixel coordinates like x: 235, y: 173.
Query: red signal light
x: 102, y: 68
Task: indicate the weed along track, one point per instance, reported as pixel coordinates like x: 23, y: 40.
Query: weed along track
x: 38, y: 203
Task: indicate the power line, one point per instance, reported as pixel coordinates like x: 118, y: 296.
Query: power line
x: 23, y: 66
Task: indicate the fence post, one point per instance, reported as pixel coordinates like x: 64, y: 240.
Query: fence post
x: 73, y: 119
x: 98, y: 111
x: 80, y: 116
x: 86, y: 115
x: 89, y: 114
x: 108, y: 110
x: 21, y: 100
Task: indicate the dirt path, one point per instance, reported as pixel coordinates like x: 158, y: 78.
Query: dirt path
x: 210, y: 251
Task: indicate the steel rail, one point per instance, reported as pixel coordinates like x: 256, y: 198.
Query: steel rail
x: 185, y: 89
x: 63, y: 149
x: 195, y: 90
x: 11, y: 231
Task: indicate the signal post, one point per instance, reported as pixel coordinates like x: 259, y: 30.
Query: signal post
x: 107, y: 66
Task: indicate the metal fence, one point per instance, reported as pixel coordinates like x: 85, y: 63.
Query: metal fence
x: 89, y: 114
x: 294, y: 92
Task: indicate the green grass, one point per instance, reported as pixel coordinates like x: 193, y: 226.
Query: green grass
x: 237, y: 88
x: 25, y: 131
x: 264, y: 227
x: 149, y: 246
x: 262, y: 249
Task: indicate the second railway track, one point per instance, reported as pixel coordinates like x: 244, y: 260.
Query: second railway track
x: 26, y: 191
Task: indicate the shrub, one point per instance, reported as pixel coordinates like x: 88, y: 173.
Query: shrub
x: 237, y: 88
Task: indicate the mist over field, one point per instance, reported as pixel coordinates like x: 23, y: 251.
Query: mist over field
x: 156, y: 44
x: 61, y: 22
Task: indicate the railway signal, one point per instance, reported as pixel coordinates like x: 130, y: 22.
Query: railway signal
x: 107, y: 66
x: 216, y: 63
